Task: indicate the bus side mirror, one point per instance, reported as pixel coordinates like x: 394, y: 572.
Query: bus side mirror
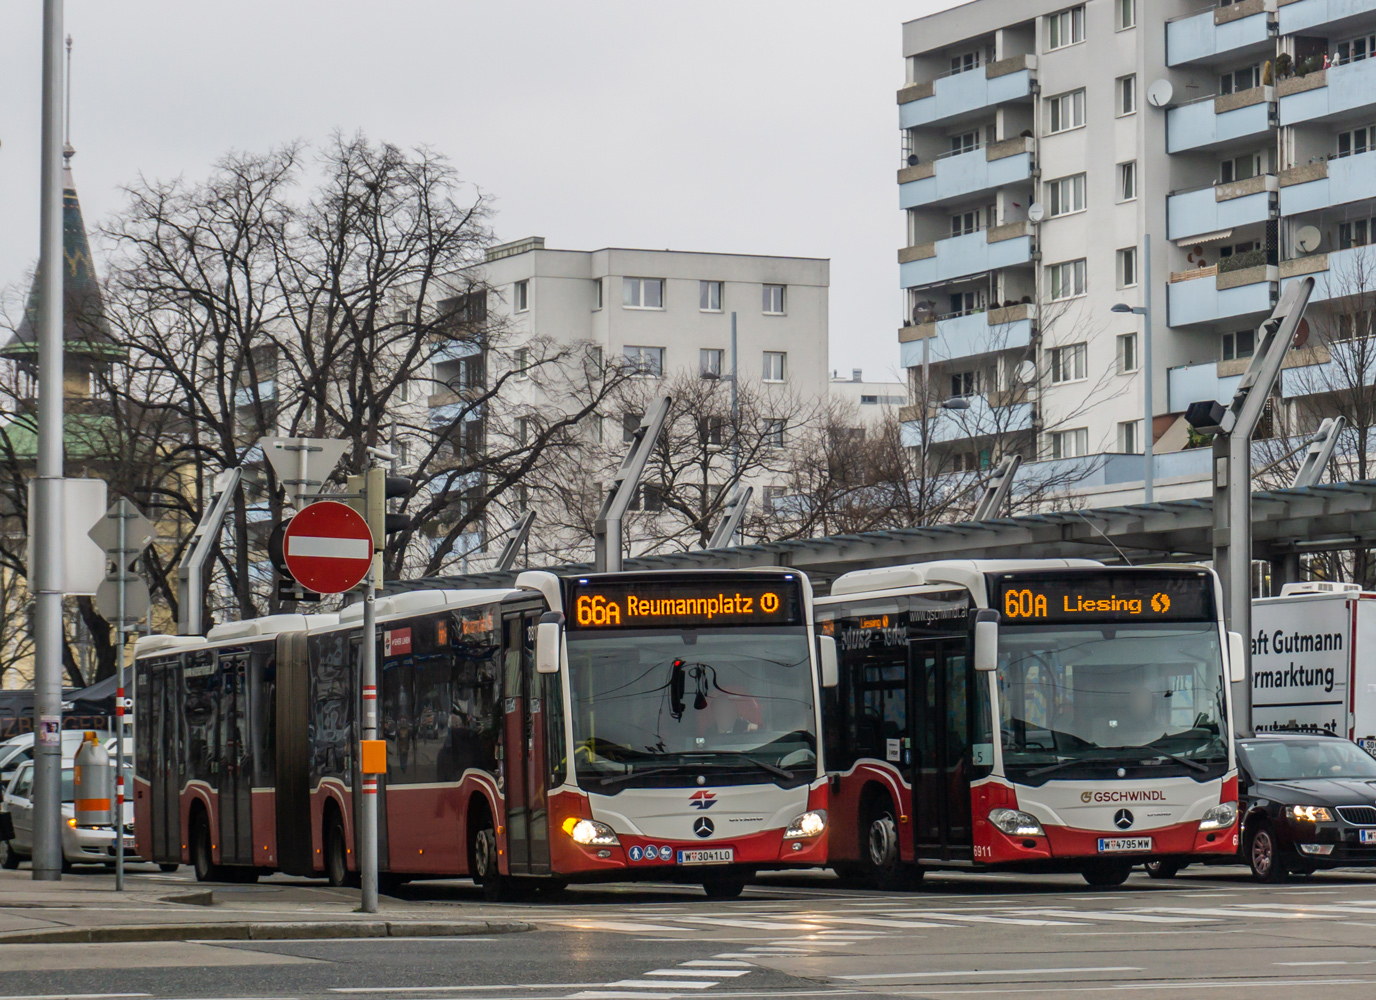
x: 1237, y: 658
x: 986, y: 640
x: 826, y: 649
x: 549, y: 636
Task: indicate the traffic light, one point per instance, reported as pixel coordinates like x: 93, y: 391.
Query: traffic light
x: 374, y: 488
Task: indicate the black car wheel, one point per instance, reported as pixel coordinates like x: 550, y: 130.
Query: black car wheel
x: 1263, y: 854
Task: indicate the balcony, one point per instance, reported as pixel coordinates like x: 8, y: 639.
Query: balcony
x: 1327, y: 94
x: 1331, y: 368
x: 1337, y: 274
x: 954, y: 96
x: 967, y: 335
x: 1213, y: 122
x: 1192, y: 383
x: 951, y: 177
x: 1219, y: 207
x: 1222, y: 33
x: 1305, y: 15
x: 983, y: 419
x: 1206, y: 296
x: 1328, y: 183
x: 960, y: 256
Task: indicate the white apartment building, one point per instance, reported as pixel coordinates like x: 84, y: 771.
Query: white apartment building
x: 1044, y: 143
x: 667, y: 312
x: 873, y: 401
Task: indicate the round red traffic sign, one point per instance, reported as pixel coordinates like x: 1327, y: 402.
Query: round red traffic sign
x: 327, y: 547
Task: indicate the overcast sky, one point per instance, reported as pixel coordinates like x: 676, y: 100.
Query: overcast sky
x: 746, y: 126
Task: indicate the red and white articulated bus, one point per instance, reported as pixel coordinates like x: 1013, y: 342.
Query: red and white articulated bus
x: 1033, y: 715
x: 597, y: 728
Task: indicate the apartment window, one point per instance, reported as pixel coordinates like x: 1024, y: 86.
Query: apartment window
x: 1358, y: 140
x: 1066, y: 280
x: 1065, y: 28
x: 963, y: 223
x: 642, y: 293
x: 1355, y: 325
x: 965, y: 303
x: 522, y: 431
x: 1127, y: 181
x: 1354, y: 49
x: 773, y: 300
x: 1069, y: 363
x: 965, y: 142
x: 1240, y: 79
x: 645, y: 360
x: 710, y: 430
x: 594, y: 429
x: 964, y: 383
x: 404, y: 454
x: 709, y: 360
x: 597, y: 293
x: 965, y: 62
x: 1125, y: 12
x: 522, y: 296
x: 1130, y: 437
x: 1239, y: 168
x: 709, y: 296
x: 1355, y: 234
x: 1127, y: 267
x: 1070, y: 444
x: 1241, y: 344
x: 403, y: 389
x: 772, y: 496
x: 1065, y: 112
x: 1066, y: 195
x: 774, y: 432
x: 630, y: 423
x: 521, y: 367
x: 1127, y: 94
x: 1127, y: 353
x: 774, y: 366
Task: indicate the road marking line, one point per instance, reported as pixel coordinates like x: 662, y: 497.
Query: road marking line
x: 683, y: 984
x: 728, y: 973
x: 991, y: 972
x: 446, y: 989
x: 1331, y: 962
x: 623, y: 995
x: 1187, y: 985
x: 76, y: 996
x: 705, y: 961
x: 1127, y: 916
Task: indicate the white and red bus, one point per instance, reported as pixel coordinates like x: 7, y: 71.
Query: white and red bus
x: 1032, y: 715
x: 597, y: 728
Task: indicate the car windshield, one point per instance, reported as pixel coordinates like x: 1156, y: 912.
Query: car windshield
x: 734, y: 704
x: 1288, y: 760
x: 1085, y: 701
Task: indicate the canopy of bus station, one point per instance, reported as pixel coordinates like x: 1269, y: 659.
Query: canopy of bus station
x: 1285, y: 523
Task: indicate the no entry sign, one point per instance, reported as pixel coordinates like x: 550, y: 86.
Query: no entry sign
x: 328, y: 547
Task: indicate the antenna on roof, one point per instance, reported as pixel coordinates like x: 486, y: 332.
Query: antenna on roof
x: 67, y: 149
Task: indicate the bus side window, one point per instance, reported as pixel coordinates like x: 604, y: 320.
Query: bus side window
x: 474, y: 711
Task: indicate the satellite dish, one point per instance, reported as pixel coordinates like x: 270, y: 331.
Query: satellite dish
x: 1308, y: 238
x: 1301, y: 334
x: 1026, y: 373
x: 1036, y: 212
x: 912, y: 159
x: 1159, y: 94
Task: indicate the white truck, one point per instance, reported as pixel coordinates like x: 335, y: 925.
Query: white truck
x: 1314, y: 661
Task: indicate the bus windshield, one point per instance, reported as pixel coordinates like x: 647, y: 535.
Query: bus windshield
x: 1111, y: 700
x: 733, y: 706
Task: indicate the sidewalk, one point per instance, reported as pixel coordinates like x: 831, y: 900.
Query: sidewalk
x: 86, y: 907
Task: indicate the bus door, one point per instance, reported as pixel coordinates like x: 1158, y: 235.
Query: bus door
x: 940, y: 675
x: 235, y: 759
x: 166, y: 761
x: 523, y: 746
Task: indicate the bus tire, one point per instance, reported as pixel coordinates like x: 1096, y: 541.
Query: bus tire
x: 336, y: 851
x: 724, y: 888
x: 887, y: 871
x: 1102, y: 874
x: 1163, y: 868
x: 497, y: 888
x: 202, y: 850
x: 9, y: 858
x: 168, y: 866
x: 1264, y: 854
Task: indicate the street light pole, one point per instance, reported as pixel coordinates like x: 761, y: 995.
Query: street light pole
x: 735, y: 420
x: 1148, y: 462
x: 47, y: 494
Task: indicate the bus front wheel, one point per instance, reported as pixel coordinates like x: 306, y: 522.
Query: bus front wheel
x: 203, y: 850
x: 497, y: 887
x: 1107, y: 873
x: 337, y: 854
x: 886, y: 868
x: 723, y: 888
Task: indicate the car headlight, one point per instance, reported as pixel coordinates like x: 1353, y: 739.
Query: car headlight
x: 1220, y: 817
x: 809, y: 824
x: 1310, y: 814
x: 590, y: 833
x: 71, y: 821
x: 1016, y: 823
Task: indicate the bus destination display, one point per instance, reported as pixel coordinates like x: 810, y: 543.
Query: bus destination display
x: 1098, y: 597
x: 685, y: 603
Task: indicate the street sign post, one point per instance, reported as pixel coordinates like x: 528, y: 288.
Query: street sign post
x: 303, y: 465
x: 328, y: 547
x: 122, y: 598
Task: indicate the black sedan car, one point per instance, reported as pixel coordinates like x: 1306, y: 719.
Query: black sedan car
x: 1307, y: 801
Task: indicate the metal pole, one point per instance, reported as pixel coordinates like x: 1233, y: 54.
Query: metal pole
x: 48, y: 527
x: 1149, y: 464
x: 735, y: 423
x: 367, y: 833
x: 119, y: 705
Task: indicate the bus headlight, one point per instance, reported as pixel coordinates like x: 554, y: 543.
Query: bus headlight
x: 590, y: 833
x: 809, y: 824
x: 1220, y: 817
x: 1016, y: 823
x: 1309, y: 814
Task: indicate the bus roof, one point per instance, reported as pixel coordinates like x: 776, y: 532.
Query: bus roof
x: 418, y: 602
x: 967, y: 573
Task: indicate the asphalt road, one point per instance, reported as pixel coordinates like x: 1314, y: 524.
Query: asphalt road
x: 1213, y: 934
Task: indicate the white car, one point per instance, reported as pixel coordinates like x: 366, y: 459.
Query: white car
x: 80, y: 844
x: 17, y: 749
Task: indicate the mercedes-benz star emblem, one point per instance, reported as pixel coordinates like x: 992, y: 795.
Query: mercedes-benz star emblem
x: 1122, y: 819
x: 703, y: 827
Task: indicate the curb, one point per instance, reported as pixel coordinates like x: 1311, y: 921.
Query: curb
x: 268, y: 931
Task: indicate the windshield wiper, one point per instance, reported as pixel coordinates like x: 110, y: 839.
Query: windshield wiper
x: 1154, y: 751
x: 1057, y: 766
x: 1158, y: 752
x: 778, y: 772
x: 617, y: 779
